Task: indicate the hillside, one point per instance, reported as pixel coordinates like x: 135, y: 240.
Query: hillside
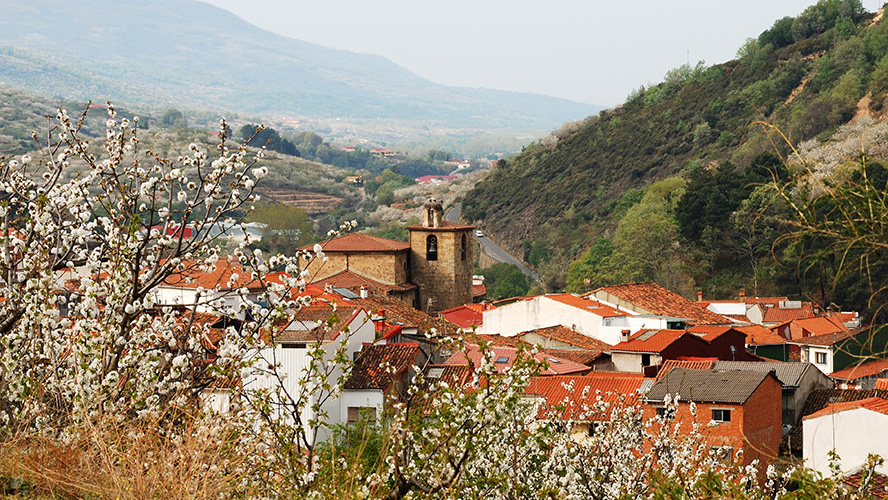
x: 193, y: 54
x: 806, y: 75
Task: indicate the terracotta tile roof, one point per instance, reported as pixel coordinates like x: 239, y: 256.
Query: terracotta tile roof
x: 193, y: 277
x: 505, y: 356
x: 875, y: 404
x: 377, y: 366
x: 465, y: 316
x: 878, y: 485
x: 361, y: 242
x: 866, y: 368
x: 775, y: 314
x: 810, y: 327
x: 709, y: 386
x: 568, y: 336
x: 589, y: 305
x: 881, y: 384
x: 354, y: 281
x: 819, y: 399
x: 317, y: 293
x: 759, y: 335
x: 317, y: 324
x: 697, y: 364
x: 398, y: 312
x: 496, y: 339
x: 657, y: 300
x: 581, y: 356
x: 478, y: 290
x: 649, y: 340
x: 571, y: 397
x: 829, y: 338
x: 709, y: 333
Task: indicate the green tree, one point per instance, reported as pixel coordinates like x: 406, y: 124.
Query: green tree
x: 287, y: 227
x: 504, y: 280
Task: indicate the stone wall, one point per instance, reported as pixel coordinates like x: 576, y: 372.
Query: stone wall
x: 447, y: 280
x: 388, y: 268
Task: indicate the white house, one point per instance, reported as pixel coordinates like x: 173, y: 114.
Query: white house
x: 224, y: 283
x: 290, y: 353
x: 852, y: 429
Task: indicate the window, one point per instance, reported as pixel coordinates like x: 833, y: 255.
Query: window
x: 432, y: 247
x: 366, y: 413
x: 721, y: 415
x: 462, y: 252
x: 820, y: 358
x: 723, y: 454
x: 502, y: 360
x: 666, y: 413
x: 293, y: 346
x: 645, y: 360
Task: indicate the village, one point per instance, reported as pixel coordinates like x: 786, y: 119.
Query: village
x: 771, y: 377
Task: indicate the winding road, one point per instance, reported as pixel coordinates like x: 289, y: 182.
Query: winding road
x: 489, y: 247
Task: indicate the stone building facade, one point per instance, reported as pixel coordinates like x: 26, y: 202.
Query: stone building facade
x: 432, y: 272
x: 441, y: 258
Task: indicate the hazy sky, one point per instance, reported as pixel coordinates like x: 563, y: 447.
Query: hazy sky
x: 586, y: 50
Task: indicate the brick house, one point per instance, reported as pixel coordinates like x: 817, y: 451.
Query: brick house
x: 745, y: 407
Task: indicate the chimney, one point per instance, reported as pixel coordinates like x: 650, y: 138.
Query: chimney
x: 742, y: 295
x: 624, y: 335
x: 699, y: 296
x: 364, y: 293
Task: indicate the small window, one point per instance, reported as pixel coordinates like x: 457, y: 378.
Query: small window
x: 820, y: 358
x: 435, y: 372
x: 721, y: 415
x: 723, y: 454
x: 293, y: 346
x: 432, y: 247
x: 645, y: 360
x: 666, y: 413
x: 366, y: 413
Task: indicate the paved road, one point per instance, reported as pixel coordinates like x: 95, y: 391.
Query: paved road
x: 489, y: 247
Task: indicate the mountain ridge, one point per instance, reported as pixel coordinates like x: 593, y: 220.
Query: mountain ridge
x: 195, y: 52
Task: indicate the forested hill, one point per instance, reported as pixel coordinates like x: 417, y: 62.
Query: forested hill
x: 807, y: 75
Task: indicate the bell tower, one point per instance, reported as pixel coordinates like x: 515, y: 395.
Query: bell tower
x: 441, y: 260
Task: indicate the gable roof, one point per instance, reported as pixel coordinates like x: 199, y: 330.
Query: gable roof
x: 310, y: 324
x: 690, y: 364
x: 821, y: 398
x: 473, y: 355
x: 648, y: 340
x: 829, y: 338
x: 352, y: 281
x: 709, y: 386
x: 570, y: 397
x: 221, y: 276
x: 377, y: 366
x: 789, y: 374
x: 651, y: 298
x: 875, y: 403
x: 777, y: 314
x: 572, y: 337
x: 759, y: 335
x: 866, y: 368
x: 398, y: 312
x: 360, y: 242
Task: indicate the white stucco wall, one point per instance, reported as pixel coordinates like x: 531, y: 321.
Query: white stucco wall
x: 809, y: 355
x: 361, y: 398
x: 853, y: 433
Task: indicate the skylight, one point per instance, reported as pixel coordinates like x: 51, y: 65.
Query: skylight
x: 502, y: 360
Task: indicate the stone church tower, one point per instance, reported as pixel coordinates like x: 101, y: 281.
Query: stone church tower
x: 441, y: 260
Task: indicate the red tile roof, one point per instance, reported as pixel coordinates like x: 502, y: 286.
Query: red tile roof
x: 361, y: 242
x: 317, y: 324
x: 221, y: 276
x: 472, y: 354
x: 650, y: 340
x: 875, y: 404
x: 586, y: 304
x: 697, y: 364
x: 571, y: 397
x: 398, y: 312
x: 655, y: 299
x: 878, y: 483
x: 829, y: 338
x: 466, y: 316
x: 759, y: 335
x: 571, y: 337
x: 810, y: 327
x: 377, y: 366
x: 354, y: 281
x: 478, y: 290
x: 861, y: 370
x: 881, y: 384
x: 777, y: 315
